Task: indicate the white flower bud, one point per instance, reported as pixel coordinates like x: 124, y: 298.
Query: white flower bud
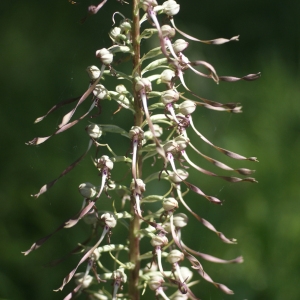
x: 93, y: 72
x: 121, y: 89
x: 167, y: 227
x: 119, y: 275
x: 186, y: 274
x: 85, y: 280
x: 169, y: 204
x: 182, y: 142
x: 183, y: 175
x: 159, y: 241
x: 87, y: 190
x: 155, y: 282
x: 114, y: 32
x: 105, y: 162
x: 170, y: 146
x: 169, y: 96
x: 180, y: 45
x: 167, y: 75
x: 125, y: 25
x: 140, y: 183
x: 100, y: 92
x: 168, y: 31
x: 187, y: 107
x: 143, y: 83
x: 144, y: 4
x: 105, y: 56
x: 94, y: 131
x: 158, y: 131
x: 171, y: 8
x: 180, y: 220
x: 109, y: 220
x: 136, y: 131
x: 95, y: 255
x: 175, y: 256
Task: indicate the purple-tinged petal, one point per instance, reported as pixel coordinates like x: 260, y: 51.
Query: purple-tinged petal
x: 83, y: 259
x: 218, y: 41
x: 249, y: 77
x: 40, y: 140
x: 222, y: 150
x: 55, y: 107
x: 203, y: 221
x: 69, y: 115
x: 242, y: 171
x: 47, y: 186
x: 227, y: 178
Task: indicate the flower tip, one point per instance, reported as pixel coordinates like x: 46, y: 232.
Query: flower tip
x: 235, y: 38
x: 239, y: 260
x: 38, y: 120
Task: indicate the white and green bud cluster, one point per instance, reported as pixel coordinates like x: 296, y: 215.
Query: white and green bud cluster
x: 160, y: 128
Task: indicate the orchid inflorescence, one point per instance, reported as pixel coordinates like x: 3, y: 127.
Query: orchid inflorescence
x: 159, y: 131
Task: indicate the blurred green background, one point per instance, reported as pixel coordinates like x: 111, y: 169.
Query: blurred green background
x: 44, y: 53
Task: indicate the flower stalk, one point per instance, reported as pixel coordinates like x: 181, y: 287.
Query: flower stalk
x: 153, y: 134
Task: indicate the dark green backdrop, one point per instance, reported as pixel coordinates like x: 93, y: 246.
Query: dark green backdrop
x: 44, y: 53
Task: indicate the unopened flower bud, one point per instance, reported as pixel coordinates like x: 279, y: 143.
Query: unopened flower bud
x: 93, y: 72
x: 95, y: 255
x: 170, y: 146
x: 145, y: 4
x: 167, y: 227
x: 155, y: 282
x: 121, y: 89
x: 94, y: 131
x: 169, y: 204
x: 159, y: 241
x: 171, y: 7
x: 119, y: 275
x: 182, y: 175
x: 148, y: 135
x: 83, y: 279
x: 187, y: 107
x: 100, y: 92
x: 125, y: 25
x: 105, y: 56
x: 143, y: 83
x: 136, y: 131
x: 167, y: 75
x: 114, y: 33
x: 180, y: 220
x: 167, y: 31
x: 175, y: 256
x: 180, y: 45
x: 169, y: 96
x: 109, y: 220
x: 87, y: 190
x: 105, y: 162
x: 140, y: 183
x: 186, y: 274
x: 182, y: 142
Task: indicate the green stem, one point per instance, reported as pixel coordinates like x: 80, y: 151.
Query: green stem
x: 134, y: 240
